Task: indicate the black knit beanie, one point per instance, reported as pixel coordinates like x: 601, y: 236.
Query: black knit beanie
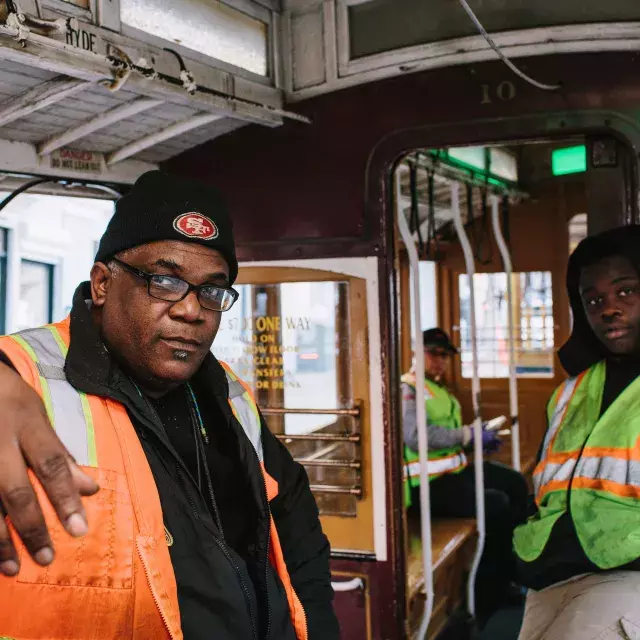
x: 164, y: 207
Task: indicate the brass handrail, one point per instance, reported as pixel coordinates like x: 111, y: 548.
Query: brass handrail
x: 320, y: 437
x: 350, y: 464
x: 330, y: 488
x: 278, y: 411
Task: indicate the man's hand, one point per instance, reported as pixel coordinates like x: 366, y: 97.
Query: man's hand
x: 28, y: 440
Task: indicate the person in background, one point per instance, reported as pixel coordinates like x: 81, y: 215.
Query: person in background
x: 203, y: 526
x: 452, y: 478
x: 579, y: 554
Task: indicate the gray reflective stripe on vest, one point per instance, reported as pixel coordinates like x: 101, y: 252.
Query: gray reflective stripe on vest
x: 50, y: 372
x: 558, y: 414
x: 616, y: 470
x: 557, y: 472
x: 68, y: 416
x: 436, y: 466
x: 242, y: 405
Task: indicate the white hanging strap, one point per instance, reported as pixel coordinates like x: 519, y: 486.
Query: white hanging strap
x: 513, y: 380
x: 475, y: 391
x: 421, y: 417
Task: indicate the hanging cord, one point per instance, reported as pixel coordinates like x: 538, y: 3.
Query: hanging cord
x: 485, y: 238
x: 432, y: 232
x: 506, y: 234
x: 471, y: 219
x: 479, y: 234
x: 414, y: 221
x: 65, y: 183
x: 502, y: 56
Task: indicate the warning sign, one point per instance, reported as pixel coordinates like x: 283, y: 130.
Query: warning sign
x: 76, y: 160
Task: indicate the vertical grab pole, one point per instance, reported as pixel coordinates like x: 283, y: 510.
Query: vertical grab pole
x: 475, y: 392
x: 513, y: 381
x: 421, y: 416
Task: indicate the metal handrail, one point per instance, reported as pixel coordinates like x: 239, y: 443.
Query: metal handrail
x: 340, y: 464
x: 513, y: 380
x: 475, y: 392
x: 354, y: 490
x: 348, y: 585
x: 320, y: 437
x: 278, y: 411
x: 421, y: 417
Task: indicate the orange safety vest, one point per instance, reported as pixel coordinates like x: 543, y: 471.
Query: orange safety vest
x: 117, y: 582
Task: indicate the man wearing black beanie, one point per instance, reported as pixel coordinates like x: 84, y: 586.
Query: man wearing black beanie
x: 196, y: 521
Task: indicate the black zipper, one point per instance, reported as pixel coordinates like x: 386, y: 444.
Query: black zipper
x: 266, y: 563
x: 227, y: 555
x: 202, y: 455
x: 220, y: 544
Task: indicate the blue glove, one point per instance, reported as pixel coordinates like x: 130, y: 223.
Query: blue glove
x: 490, y: 441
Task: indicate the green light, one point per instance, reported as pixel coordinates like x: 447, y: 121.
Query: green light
x: 569, y: 160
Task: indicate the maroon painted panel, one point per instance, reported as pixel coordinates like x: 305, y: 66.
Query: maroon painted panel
x: 306, y: 183
x: 373, y: 608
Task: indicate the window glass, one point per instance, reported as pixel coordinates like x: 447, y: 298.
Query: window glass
x: 503, y: 164
x: 36, y: 295
x: 428, y: 297
x: 281, y: 339
x: 577, y: 230
x: 210, y: 28
x: 291, y: 343
x: 532, y: 311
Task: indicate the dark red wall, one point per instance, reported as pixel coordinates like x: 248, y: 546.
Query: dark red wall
x: 304, y: 184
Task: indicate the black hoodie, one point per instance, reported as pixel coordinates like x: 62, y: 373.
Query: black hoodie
x: 563, y: 556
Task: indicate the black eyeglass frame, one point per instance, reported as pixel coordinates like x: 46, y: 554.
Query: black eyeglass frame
x: 148, y: 278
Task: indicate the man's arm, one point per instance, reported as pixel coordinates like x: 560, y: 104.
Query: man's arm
x: 439, y: 437
x: 27, y: 441
x: 304, y: 545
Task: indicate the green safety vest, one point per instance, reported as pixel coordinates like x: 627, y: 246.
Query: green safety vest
x: 596, y: 461
x: 443, y: 409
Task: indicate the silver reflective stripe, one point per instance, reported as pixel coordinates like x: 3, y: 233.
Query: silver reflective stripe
x: 45, y: 346
x: 50, y: 372
x: 68, y: 416
x: 436, y: 466
x: 247, y: 417
x: 616, y: 470
x: 235, y: 388
x: 554, y: 472
x: 558, y: 414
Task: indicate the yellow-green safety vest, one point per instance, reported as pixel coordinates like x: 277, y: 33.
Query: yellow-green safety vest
x: 443, y: 410
x: 596, y: 461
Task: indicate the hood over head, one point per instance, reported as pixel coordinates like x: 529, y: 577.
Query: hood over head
x: 583, y: 349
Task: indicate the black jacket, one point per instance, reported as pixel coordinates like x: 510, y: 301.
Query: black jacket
x: 221, y: 594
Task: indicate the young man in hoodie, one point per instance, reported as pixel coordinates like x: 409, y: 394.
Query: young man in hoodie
x: 579, y: 554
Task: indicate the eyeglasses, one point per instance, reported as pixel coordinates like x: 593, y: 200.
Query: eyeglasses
x: 172, y: 289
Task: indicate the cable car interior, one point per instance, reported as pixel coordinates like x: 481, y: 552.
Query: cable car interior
x: 485, y: 232
x: 387, y: 174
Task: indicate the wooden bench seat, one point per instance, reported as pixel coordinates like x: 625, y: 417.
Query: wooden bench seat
x: 453, y: 543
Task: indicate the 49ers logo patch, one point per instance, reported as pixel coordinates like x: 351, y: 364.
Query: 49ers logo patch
x: 195, y: 225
